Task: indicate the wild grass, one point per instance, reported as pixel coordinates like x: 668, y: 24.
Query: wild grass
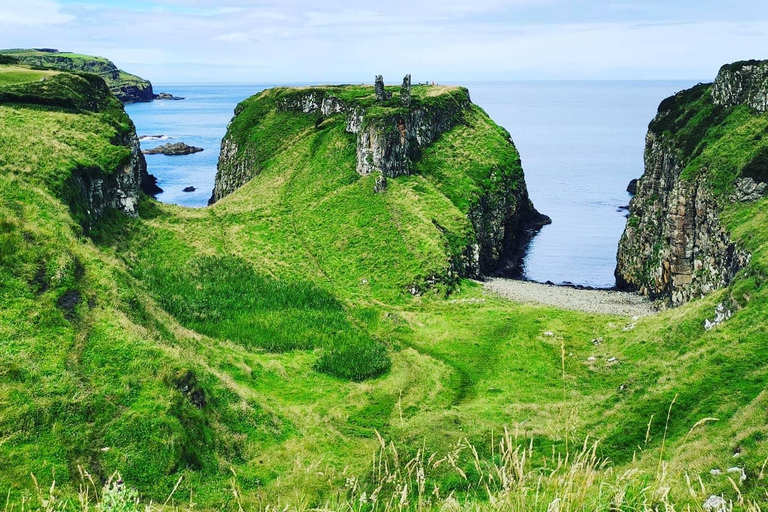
x: 515, y: 478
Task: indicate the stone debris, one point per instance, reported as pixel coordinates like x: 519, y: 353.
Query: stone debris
x: 740, y: 471
x: 747, y: 189
x: 715, y: 504
x: 721, y: 315
x: 629, y: 327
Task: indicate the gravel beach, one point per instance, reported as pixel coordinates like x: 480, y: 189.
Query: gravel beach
x: 607, y: 302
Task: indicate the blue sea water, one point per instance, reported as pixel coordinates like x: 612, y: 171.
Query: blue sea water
x: 580, y: 143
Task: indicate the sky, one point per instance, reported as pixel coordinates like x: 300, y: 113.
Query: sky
x: 294, y: 41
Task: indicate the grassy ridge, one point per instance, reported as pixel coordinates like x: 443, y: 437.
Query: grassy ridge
x: 271, y: 336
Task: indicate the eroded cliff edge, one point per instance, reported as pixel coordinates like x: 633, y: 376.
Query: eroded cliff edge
x: 84, y: 128
x: 705, y: 150
x: 391, y: 131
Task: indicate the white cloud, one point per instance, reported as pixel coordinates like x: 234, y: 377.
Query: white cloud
x: 32, y: 13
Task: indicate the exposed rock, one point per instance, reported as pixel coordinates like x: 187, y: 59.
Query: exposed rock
x: 189, y: 189
x: 715, y: 504
x: 747, y: 189
x: 149, y: 186
x: 674, y: 247
x: 405, y: 91
x: 68, y: 302
x: 173, y: 149
x: 119, y: 190
x: 632, y: 187
x: 167, y: 96
x: 381, y: 93
x: 742, y: 83
x: 380, y: 185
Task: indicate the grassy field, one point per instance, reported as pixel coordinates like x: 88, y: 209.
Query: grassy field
x: 11, y: 75
x: 264, y: 353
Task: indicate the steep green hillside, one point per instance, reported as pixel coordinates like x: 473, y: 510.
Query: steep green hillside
x: 252, y: 352
x: 126, y: 87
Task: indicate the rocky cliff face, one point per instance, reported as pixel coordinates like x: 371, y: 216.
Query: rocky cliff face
x: 742, y: 83
x: 675, y: 247
x: 92, y: 191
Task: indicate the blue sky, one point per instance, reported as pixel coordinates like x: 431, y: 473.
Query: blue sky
x: 352, y: 40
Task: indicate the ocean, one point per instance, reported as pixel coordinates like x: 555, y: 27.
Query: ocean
x: 580, y: 143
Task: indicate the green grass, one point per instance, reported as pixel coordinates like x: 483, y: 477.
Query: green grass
x: 272, y: 335
x: 11, y: 75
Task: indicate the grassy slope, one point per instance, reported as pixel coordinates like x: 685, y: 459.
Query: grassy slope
x: 312, y: 248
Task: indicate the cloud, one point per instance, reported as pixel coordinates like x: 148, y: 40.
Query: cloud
x: 32, y: 13
x: 336, y: 40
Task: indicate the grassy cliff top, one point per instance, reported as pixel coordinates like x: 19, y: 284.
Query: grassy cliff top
x: 11, y: 74
x: 116, y: 78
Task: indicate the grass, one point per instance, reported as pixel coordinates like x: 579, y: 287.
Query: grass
x: 247, y: 354
x: 11, y: 75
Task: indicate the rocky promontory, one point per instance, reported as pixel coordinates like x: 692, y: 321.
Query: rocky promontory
x: 705, y: 150
x: 173, y: 149
x: 389, y: 130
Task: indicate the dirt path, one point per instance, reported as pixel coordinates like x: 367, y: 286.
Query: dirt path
x: 591, y: 301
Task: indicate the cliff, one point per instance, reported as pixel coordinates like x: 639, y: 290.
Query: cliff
x: 705, y: 151
x: 391, y: 136
x: 86, y: 146
x: 126, y: 87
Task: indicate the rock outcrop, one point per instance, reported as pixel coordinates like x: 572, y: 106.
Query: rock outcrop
x: 173, y: 149
x: 98, y: 190
x: 742, y: 83
x: 675, y: 247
